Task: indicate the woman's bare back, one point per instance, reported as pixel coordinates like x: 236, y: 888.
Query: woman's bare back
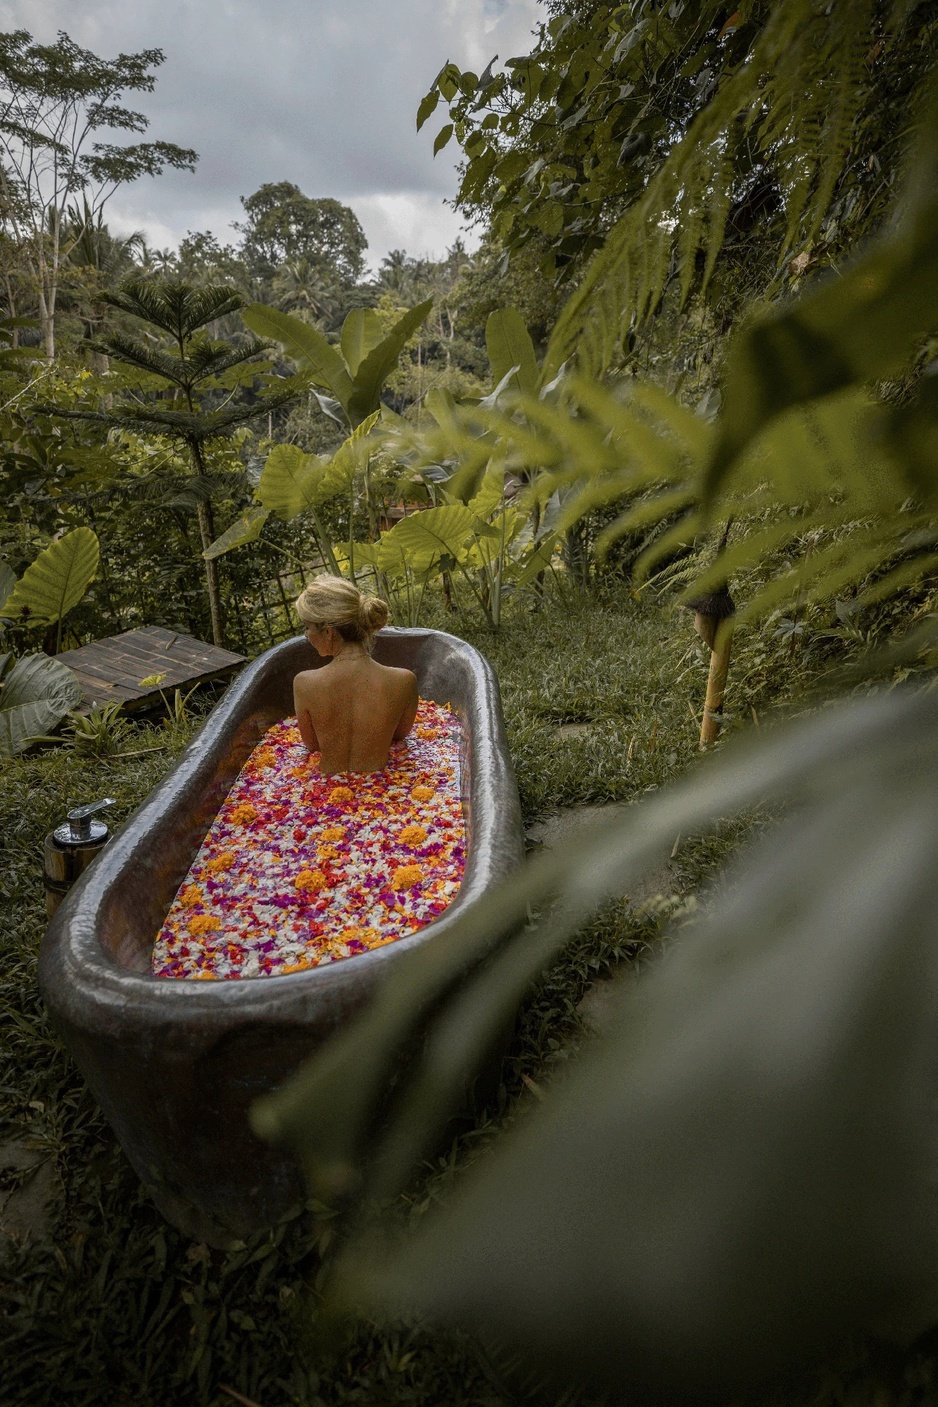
x: 352, y: 709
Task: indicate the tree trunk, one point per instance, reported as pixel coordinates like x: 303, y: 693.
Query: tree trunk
x: 207, y: 535
x: 47, y: 326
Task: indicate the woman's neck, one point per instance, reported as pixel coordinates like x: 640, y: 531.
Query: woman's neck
x: 350, y: 650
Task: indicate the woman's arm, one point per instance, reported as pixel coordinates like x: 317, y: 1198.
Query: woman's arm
x: 410, y: 711
x: 301, y: 704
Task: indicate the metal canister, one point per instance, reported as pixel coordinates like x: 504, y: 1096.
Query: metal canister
x: 70, y: 849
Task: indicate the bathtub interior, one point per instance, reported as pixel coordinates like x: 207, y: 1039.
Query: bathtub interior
x: 150, y: 860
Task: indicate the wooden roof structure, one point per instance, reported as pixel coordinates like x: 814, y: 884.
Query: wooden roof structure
x: 136, y: 667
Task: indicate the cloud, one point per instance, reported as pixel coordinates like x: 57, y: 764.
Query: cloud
x: 310, y: 91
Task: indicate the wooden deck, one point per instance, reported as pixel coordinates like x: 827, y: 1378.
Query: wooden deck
x: 126, y: 667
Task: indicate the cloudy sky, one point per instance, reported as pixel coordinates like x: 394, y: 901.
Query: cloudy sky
x: 319, y: 92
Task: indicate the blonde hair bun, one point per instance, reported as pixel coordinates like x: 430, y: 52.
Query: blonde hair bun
x: 372, y: 614
x: 333, y: 603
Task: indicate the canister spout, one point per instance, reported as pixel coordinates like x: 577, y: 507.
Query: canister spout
x: 79, y: 819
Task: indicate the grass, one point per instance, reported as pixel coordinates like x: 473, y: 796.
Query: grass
x: 114, y: 1306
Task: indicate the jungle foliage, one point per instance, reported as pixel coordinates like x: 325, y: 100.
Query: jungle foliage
x: 714, y: 1139
x: 714, y: 363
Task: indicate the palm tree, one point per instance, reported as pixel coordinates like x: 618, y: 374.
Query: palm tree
x: 191, y: 364
x: 303, y: 285
x: 156, y: 261
x: 99, y: 258
x: 396, y: 273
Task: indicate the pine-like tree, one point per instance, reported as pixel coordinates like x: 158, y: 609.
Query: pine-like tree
x: 187, y: 362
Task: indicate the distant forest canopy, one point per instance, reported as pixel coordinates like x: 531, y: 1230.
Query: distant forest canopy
x: 303, y: 255
x: 64, y: 151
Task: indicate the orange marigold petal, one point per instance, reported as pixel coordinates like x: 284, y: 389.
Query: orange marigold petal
x: 340, y: 794
x: 204, y: 923
x: 311, y: 880
x: 406, y: 876
x: 191, y: 896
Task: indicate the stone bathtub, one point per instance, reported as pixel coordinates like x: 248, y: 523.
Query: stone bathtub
x: 175, y: 1064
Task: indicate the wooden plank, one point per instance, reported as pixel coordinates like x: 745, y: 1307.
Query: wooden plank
x: 136, y: 657
x: 133, y: 648
x: 111, y: 669
x: 101, y: 680
x: 123, y: 663
x: 90, y: 682
x: 118, y: 669
x: 152, y: 696
x: 127, y: 655
x: 170, y: 647
x: 189, y: 645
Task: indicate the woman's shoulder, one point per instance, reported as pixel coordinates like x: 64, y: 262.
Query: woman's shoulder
x: 307, y: 679
x: 404, y: 675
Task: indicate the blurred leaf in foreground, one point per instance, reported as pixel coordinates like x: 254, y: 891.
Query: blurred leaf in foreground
x: 744, y: 1169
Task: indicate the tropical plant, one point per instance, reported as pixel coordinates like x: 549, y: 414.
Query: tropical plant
x: 770, y: 130
x: 293, y: 484
x: 14, y: 357
x: 300, y: 284
x: 53, y: 583
x: 487, y: 541
x: 56, y: 100
x: 102, y: 732
x: 740, y: 1171
x: 35, y: 695
x: 96, y: 259
x: 472, y: 530
x: 813, y: 446
x: 356, y: 370
x: 198, y: 369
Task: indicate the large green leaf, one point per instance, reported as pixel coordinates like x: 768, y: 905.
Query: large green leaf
x: 246, y: 528
x: 56, y: 581
x: 288, y: 480
x: 323, y: 361
x: 853, y: 328
x: 381, y: 361
x: 491, y: 494
x: 509, y: 344
x: 421, y: 539
x: 35, y: 695
x: 757, y: 1116
x: 340, y: 472
x: 492, y: 540
x: 362, y: 331
x: 743, y: 1170
x: 441, y: 403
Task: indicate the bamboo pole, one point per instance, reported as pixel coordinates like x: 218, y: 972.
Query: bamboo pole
x: 713, y: 622
x: 716, y: 681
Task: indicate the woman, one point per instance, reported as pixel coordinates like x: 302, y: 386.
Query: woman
x: 353, y: 709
